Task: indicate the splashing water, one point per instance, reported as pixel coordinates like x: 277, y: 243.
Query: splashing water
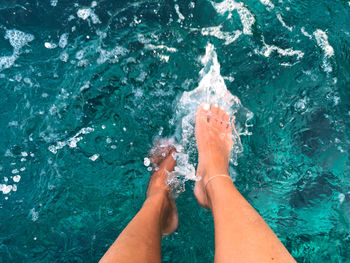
x: 87, y: 85
x: 212, y: 90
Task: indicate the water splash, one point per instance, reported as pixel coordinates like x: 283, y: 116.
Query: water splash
x: 211, y: 89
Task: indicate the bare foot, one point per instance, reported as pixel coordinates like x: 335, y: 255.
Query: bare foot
x: 214, y: 143
x: 158, y: 188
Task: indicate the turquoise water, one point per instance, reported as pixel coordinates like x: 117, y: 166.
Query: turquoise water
x: 87, y: 86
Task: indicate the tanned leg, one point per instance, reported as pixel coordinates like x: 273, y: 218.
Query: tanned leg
x: 241, y: 235
x: 140, y: 241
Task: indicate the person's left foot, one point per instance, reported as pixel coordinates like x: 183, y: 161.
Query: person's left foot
x: 158, y: 188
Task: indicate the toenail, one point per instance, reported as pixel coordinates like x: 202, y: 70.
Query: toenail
x: 215, y: 105
x: 206, y: 106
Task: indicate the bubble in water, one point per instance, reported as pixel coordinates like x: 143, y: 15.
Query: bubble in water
x: 146, y: 161
x: 16, y: 178
x: 50, y: 45
x: 341, y: 198
x: 54, y: 2
x: 93, y: 4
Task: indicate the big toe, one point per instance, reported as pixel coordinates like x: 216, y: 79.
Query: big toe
x: 202, y: 112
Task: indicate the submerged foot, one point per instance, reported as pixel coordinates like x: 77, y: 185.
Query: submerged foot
x: 214, y: 143
x: 158, y: 188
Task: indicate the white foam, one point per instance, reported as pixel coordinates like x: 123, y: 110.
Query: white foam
x: 161, y: 47
x: 322, y: 41
x: 16, y: 178
x: 5, y: 189
x: 71, y: 142
x: 146, y: 161
x: 267, y: 3
x: 157, y: 47
x: 247, y: 18
x: 34, y: 214
x: 64, y: 57
x: 215, y: 31
x: 177, y: 9
x: 80, y: 54
x: 111, y: 56
x: 268, y: 49
x: 93, y: 4
x: 341, y: 198
x: 7, y: 62
x: 63, y: 40
x: 94, y: 157
x: 279, y: 17
x: 85, y: 13
x: 18, y: 40
x: 50, y: 45
x: 164, y: 58
x: 53, y: 2
x: 305, y: 33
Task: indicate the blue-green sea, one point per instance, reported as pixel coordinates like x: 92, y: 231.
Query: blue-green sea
x: 87, y: 86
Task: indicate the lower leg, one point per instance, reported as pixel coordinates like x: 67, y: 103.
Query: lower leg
x: 241, y: 235
x: 140, y: 241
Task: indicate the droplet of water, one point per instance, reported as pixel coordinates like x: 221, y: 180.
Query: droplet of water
x: 94, y: 157
x: 146, y: 161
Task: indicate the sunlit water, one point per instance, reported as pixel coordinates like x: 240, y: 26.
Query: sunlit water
x: 86, y: 87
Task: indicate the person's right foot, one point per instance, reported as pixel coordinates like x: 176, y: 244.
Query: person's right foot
x: 214, y: 143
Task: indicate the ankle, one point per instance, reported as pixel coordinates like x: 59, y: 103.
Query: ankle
x: 217, y: 185
x: 214, y: 171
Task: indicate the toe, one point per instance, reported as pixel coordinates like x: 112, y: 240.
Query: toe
x: 202, y: 113
x: 215, y: 109
x: 226, y: 119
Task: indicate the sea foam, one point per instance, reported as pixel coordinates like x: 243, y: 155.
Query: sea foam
x: 247, y: 18
x: 216, y: 31
x: 322, y: 41
x: 18, y: 40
